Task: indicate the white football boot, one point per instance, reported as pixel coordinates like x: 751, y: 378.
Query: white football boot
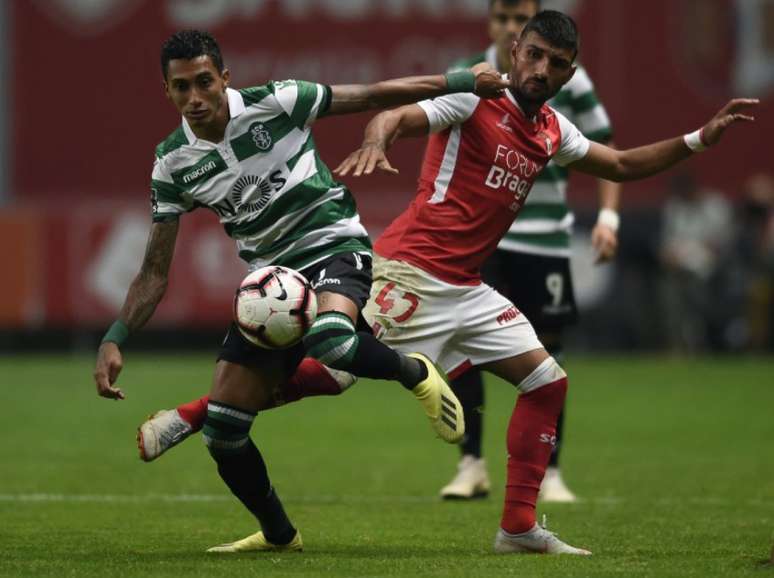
x: 538, y: 540
x: 553, y: 488
x: 161, y: 431
x: 471, y: 481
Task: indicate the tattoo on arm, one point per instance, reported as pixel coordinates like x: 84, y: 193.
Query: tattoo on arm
x: 350, y: 98
x: 150, y: 284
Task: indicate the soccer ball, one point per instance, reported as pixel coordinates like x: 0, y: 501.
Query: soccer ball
x: 274, y: 307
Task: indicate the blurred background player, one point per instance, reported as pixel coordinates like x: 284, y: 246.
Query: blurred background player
x: 696, y: 242
x: 532, y: 263
x: 248, y: 155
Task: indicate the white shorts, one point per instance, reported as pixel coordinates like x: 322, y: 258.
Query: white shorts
x: 457, y: 326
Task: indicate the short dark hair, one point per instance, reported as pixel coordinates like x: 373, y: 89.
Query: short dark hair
x: 512, y: 2
x: 557, y: 28
x: 187, y: 45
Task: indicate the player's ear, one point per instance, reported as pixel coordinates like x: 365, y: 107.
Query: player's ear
x: 165, y: 84
x: 226, y: 76
x: 514, y: 50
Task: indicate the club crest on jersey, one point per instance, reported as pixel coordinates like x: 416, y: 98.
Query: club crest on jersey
x: 261, y: 137
x: 549, y: 144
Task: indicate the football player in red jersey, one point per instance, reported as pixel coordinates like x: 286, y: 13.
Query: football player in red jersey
x: 481, y: 161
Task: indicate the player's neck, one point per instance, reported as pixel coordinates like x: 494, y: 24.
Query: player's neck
x: 528, y: 107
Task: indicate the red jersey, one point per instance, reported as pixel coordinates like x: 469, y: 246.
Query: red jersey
x: 479, y: 166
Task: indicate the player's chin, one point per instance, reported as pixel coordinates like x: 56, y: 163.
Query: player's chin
x: 534, y: 97
x: 535, y: 92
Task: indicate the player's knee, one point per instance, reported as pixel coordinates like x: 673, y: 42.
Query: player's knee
x: 226, y: 430
x: 332, y: 340
x: 547, y: 373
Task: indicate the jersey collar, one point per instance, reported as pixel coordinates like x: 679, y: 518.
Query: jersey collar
x: 236, y: 106
x: 490, y: 56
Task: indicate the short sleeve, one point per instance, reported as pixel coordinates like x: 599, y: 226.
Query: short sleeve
x: 302, y: 101
x: 573, y: 145
x: 167, y: 200
x: 445, y: 111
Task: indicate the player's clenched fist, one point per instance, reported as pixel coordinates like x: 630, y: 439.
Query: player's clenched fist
x: 489, y: 82
x: 109, y: 364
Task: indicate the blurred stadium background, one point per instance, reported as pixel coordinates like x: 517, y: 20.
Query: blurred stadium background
x: 84, y: 109
x: 671, y: 451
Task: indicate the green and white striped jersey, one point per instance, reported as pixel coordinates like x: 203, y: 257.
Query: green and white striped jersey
x: 544, y: 225
x: 265, y: 180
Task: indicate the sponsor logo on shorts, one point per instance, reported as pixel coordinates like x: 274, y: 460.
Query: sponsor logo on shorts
x: 508, y: 315
x: 322, y: 282
x: 548, y: 439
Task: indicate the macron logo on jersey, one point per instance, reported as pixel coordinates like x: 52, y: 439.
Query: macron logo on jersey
x: 202, y: 170
x: 505, y: 123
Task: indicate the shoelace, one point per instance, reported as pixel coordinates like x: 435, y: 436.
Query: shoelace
x: 553, y: 536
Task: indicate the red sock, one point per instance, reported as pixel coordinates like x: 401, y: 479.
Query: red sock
x: 194, y: 412
x: 310, y: 379
x: 531, y: 437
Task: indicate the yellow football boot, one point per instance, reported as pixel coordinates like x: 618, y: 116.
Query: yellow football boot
x: 258, y: 543
x: 442, y: 407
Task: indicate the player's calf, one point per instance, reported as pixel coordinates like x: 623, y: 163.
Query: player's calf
x: 531, y: 435
x: 167, y: 428
x: 226, y: 434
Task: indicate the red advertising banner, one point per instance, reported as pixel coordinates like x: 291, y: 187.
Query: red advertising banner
x: 88, y: 109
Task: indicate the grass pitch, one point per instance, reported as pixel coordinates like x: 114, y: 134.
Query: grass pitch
x: 674, y: 460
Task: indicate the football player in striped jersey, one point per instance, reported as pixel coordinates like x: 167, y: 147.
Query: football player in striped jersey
x: 248, y: 155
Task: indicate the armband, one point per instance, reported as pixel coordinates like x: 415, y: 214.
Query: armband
x: 118, y: 333
x: 461, y: 81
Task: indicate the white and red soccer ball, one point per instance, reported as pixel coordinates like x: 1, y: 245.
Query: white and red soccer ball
x: 274, y: 307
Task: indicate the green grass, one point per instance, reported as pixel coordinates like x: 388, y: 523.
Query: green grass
x: 675, y: 460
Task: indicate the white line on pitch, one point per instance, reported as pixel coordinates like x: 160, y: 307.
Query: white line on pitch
x: 350, y: 499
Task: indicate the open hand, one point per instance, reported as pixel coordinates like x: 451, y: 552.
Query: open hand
x: 109, y: 365
x: 728, y: 115
x: 364, y: 160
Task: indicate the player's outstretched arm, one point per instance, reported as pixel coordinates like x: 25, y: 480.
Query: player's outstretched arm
x: 383, y: 130
x: 483, y: 80
x: 641, y: 162
x: 145, y: 293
